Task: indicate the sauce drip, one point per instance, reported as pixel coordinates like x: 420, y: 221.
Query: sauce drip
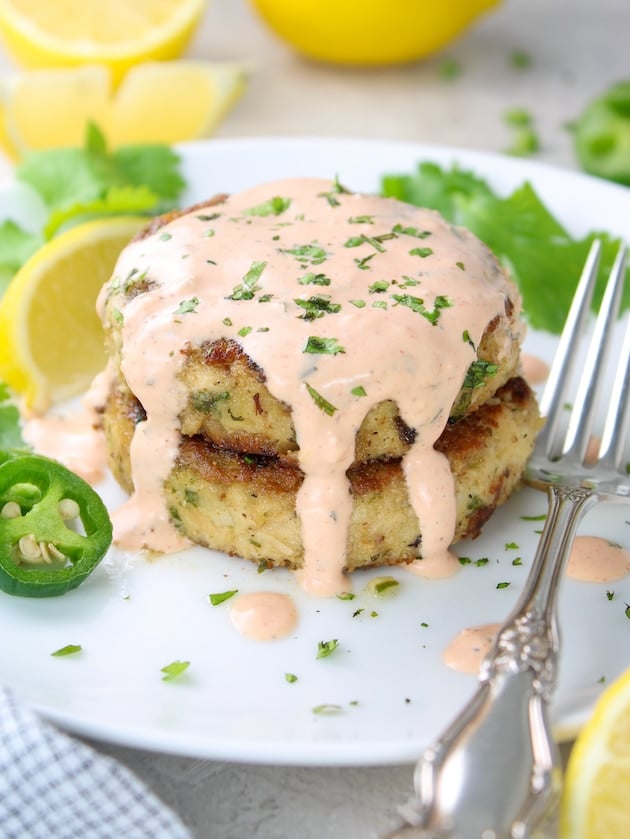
x: 264, y: 616
x: 402, y: 300
x: 468, y: 649
x: 534, y: 369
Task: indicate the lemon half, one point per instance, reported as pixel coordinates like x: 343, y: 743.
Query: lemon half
x: 370, y: 32
x: 118, y: 33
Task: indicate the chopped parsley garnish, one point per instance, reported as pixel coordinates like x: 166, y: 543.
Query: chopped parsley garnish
x: 375, y: 241
x: 379, y: 287
x: 69, y: 649
x: 274, y: 207
x: 187, y: 306
x: 346, y: 595
x: 336, y: 189
x: 118, y: 316
x: 610, y: 595
x: 247, y: 289
x: 467, y: 339
x: 308, y: 254
x: 416, y: 304
x: 410, y: 231
x: 205, y: 401
x: 317, y: 306
x: 244, y: 331
x: 314, y: 279
x: 327, y: 708
x: 541, y: 517
x: 361, y: 220
x: 380, y: 585
x: 208, y: 217
x: 423, y: 252
x: 503, y: 585
x: 222, y: 596
x: 359, y: 390
x: 461, y: 266
x: 290, y: 678
x: 517, y: 561
x: 360, y: 304
x: 164, y: 237
x: 174, y: 669
x: 511, y: 546
x: 379, y: 304
x: 478, y: 372
x: 319, y: 400
x: 362, y: 263
x: 326, y: 648
x: 323, y: 346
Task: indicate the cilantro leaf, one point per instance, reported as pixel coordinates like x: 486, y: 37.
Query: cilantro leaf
x: 543, y: 258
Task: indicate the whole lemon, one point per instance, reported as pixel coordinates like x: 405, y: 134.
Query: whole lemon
x: 369, y: 32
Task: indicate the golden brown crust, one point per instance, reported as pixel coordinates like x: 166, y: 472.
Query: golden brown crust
x: 245, y: 504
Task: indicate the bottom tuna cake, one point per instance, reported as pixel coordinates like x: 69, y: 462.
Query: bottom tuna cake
x: 245, y: 505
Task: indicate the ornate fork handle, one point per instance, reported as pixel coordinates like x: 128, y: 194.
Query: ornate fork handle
x: 495, y: 771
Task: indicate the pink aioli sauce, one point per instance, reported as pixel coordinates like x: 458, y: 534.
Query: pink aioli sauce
x: 436, y: 567
x: 206, y: 256
x: 264, y: 616
x: 595, y: 560
x: 468, y: 649
x: 75, y: 439
x: 534, y: 369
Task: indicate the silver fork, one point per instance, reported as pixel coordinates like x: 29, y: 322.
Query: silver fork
x: 495, y: 772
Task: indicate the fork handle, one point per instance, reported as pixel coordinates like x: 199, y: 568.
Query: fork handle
x: 495, y: 771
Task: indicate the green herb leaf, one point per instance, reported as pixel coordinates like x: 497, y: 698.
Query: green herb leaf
x: 323, y: 346
x: 274, y: 207
x: 416, y: 304
x: 327, y: 708
x: 174, y: 669
x: 187, y: 306
x: 290, y: 678
x: 308, y: 254
x: 221, y: 597
x: 359, y: 390
x: 69, y: 649
x: 319, y: 400
x: 478, y: 372
x: 247, y: 289
x: 381, y: 585
x: 326, y: 648
x: 317, y: 306
x: 314, y: 279
x: 503, y: 585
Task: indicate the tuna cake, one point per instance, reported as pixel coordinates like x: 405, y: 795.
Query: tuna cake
x: 309, y: 377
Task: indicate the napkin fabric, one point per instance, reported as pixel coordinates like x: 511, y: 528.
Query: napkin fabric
x: 55, y: 787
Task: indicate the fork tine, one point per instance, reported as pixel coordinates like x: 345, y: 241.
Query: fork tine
x: 554, y: 395
x: 618, y: 417
x: 582, y: 414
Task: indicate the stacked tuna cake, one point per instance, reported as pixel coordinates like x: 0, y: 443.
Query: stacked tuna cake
x: 333, y: 280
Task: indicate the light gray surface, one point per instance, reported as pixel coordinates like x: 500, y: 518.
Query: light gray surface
x: 577, y: 48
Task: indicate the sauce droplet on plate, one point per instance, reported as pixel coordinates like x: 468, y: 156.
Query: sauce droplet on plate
x: 264, y: 616
x: 596, y: 560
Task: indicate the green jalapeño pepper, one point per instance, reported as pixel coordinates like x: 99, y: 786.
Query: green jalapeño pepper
x: 54, y: 528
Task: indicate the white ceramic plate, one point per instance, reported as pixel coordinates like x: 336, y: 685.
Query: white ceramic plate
x: 234, y: 702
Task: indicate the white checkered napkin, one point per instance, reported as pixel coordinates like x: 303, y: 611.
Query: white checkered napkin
x: 54, y: 787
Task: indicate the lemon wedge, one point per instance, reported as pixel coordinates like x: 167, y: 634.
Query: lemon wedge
x: 52, y: 338
x: 117, y: 33
x: 158, y: 102
x: 370, y: 32
x: 597, y: 783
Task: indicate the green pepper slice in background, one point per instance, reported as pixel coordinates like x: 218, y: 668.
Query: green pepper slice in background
x: 54, y: 528
x: 602, y: 135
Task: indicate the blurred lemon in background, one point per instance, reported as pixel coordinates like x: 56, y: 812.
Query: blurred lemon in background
x: 370, y: 32
x: 117, y: 33
x: 597, y: 783
x: 157, y: 102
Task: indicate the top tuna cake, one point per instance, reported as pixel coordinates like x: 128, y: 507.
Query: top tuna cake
x: 310, y: 377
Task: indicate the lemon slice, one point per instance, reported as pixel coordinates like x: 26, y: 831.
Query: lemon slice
x: 118, y: 33
x: 170, y: 102
x: 370, y: 32
x: 52, y: 338
x: 597, y: 782
x: 158, y: 102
